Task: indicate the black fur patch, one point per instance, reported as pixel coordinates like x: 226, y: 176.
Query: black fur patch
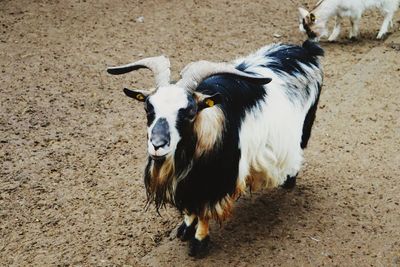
x: 148, y: 107
x: 290, y: 182
x: 185, y: 117
x: 242, y: 66
x: 309, y: 121
x: 199, y: 248
x: 310, y: 33
x: 288, y: 58
x: 214, y: 176
x: 313, y: 48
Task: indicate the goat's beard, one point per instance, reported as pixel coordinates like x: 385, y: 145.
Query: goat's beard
x: 159, y: 181
x: 162, y: 177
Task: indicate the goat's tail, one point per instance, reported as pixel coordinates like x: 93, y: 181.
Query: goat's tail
x: 313, y: 48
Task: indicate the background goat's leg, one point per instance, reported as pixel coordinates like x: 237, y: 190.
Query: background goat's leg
x: 336, y: 30
x: 385, y: 25
x: 354, y: 31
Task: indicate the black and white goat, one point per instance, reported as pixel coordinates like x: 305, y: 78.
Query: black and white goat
x: 225, y: 126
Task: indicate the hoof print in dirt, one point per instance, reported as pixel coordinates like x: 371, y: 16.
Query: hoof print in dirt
x: 199, y: 248
x: 186, y: 233
x: 290, y: 183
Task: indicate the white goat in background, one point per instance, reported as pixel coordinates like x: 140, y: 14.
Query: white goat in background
x: 315, y: 21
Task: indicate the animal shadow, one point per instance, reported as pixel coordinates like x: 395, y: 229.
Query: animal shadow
x: 264, y: 215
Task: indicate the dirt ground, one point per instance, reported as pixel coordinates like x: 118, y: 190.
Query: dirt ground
x: 73, y: 147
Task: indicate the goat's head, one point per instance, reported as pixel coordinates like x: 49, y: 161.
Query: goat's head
x: 172, y: 108
x: 314, y: 26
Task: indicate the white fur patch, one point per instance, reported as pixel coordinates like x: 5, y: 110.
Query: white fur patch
x: 274, y: 152
x: 188, y: 219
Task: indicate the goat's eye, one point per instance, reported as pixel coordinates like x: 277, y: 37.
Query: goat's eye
x: 312, y: 17
x: 187, y: 113
x: 192, y: 112
x: 150, y: 114
x: 151, y: 111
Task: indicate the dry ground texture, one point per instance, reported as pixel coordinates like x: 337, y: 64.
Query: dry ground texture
x: 73, y: 147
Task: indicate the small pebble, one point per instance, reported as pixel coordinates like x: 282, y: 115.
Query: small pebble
x: 140, y: 19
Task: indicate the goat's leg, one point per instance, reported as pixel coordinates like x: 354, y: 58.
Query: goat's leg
x: 187, y: 229
x: 199, y: 244
x: 355, y: 27
x: 385, y: 25
x: 336, y: 30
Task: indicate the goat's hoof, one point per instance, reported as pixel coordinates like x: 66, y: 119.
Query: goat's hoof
x: 186, y: 233
x: 382, y: 37
x: 199, y: 248
x: 290, y: 182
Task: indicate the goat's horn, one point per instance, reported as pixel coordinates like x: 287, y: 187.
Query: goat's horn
x: 194, y: 73
x: 159, y: 65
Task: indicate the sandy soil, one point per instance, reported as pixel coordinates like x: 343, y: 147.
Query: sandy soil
x: 73, y: 147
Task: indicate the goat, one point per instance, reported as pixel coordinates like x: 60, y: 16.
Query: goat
x: 314, y: 22
x: 224, y: 127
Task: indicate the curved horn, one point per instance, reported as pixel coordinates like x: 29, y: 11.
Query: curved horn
x: 159, y: 65
x: 194, y: 73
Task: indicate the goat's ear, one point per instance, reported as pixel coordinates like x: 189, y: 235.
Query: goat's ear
x: 207, y: 101
x: 139, y: 95
x: 303, y: 13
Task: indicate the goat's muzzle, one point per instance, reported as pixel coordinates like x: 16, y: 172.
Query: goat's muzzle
x: 159, y: 139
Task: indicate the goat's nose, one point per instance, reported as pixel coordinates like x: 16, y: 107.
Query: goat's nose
x: 160, y: 136
x: 159, y: 142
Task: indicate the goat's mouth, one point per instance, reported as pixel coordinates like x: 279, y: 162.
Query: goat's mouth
x: 158, y: 158
x: 159, y: 155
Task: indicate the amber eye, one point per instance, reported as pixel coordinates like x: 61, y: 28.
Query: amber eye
x: 312, y: 17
